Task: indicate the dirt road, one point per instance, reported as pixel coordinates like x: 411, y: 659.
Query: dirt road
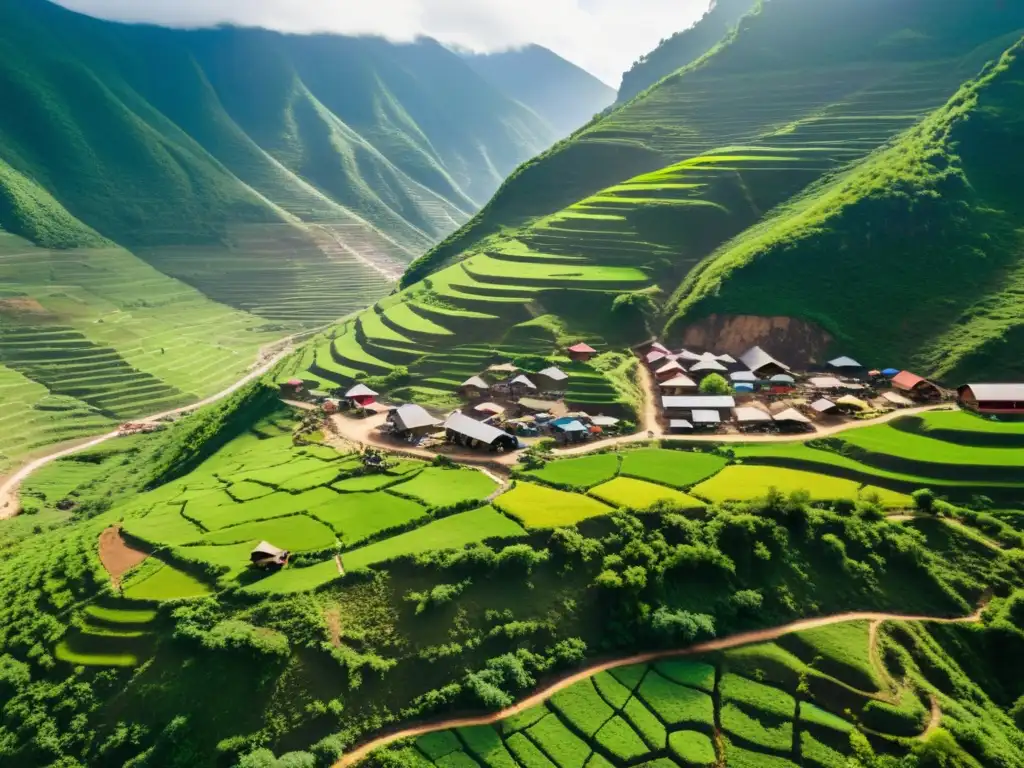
x: 9, y: 504
x: 720, y: 644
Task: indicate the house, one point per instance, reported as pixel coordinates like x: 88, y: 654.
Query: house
x: 535, y: 405
x: 761, y: 363
x: 708, y: 365
x: 520, y: 386
x: 751, y: 418
x: 918, y: 387
x: 487, y: 410
x: 825, y: 407
x: 996, y: 399
x: 847, y: 366
x: 826, y: 382
x: 677, y: 407
x: 706, y: 419
x: 656, y: 357
x: 581, y: 352
x: 570, y: 430
x: 743, y: 377
x: 897, y: 399
x: 411, y: 420
x: 266, y: 555
x: 553, y: 378
x: 474, y: 386
x: 680, y: 426
x: 292, y: 388
x: 361, y: 396
x: 781, y: 384
x: 462, y: 430
x: 678, y: 385
x: 791, y: 420
x: 669, y: 370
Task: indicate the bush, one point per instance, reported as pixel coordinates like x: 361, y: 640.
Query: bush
x: 715, y: 384
x: 924, y: 500
x: 681, y: 626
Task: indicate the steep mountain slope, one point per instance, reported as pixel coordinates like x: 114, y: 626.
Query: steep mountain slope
x: 801, y: 92
x: 565, y: 95
x: 924, y: 238
x: 277, y: 181
x: 683, y: 48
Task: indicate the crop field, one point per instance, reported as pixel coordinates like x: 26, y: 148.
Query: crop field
x: 629, y: 493
x: 536, y: 506
x: 883, y: 439
x: 665, y: 714
x: 164, y: 583
x: 437, y: 487
x: 584, y: 472
x: 745, y: 483
x: 679, y: 469
x: 359, y: 516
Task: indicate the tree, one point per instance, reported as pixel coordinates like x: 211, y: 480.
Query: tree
x: 715, y: 385
x: 924, y: 500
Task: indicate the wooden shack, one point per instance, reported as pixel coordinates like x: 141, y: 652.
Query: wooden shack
x: 581, y: 352
x: 266, y: 555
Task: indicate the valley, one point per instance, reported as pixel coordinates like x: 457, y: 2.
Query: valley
x: 430, y: 404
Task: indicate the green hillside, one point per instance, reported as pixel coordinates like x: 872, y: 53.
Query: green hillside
x: 172, y: 200
x: 632, y: 226
x: 565, y: 95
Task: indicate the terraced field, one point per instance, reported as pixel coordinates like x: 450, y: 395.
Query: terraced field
x: 88, y: 337
x: 796, y: 701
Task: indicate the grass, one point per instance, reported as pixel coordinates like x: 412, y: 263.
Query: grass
x: 582, y: 707
x: 297, y: 533
x: 584, y: 472
x: 358, y: 516
x: 689, y: 673
x: 127, y: 616
x: 757, y: 696
x: 448, y: 533
x: 165, y: 583
x: 292, y: 580
x: 437, y: 487
x: 646, y: 723
x: 839, y: 651
x: 636, y: 494
x: 679, y: 469
x: 737, y: 723
x: 566, y: 748
x: 676, y: 705
x: 884, y: 439
x: 536, y: 506
x: 621, y: 741
x: 692, y: 748
x: 745, y: 483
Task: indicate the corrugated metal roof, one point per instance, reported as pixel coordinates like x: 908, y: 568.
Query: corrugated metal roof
x: 582, y: 347
x: 906, y: 380
x: 604, y: 421
x: 412, y: 416
x: 554, y: 373
x: 792, y: 414
x: 748, y: 415
x: 707, y: 417
x: 680, y: 424
x: 826, y: 382
x: 570, y: 426
x: 655, y: 356
x: 844, y: 362
x: 1001, y: 392
x: 756, y: 358
x: 360, y: 390
x: 669, y: 367
x: 476, y: 381
x: 708, y: 365
x: 489, y: 408
x: 521, y: 380
x: 485, y: 433
x: 897, y: 399
x: 823, y: 405
x: 744, y: 376
x: 679, y: 381
x: 698, y: 401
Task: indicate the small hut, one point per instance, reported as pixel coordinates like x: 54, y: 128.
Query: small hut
x: 680, y: 426
x: 487, y: 410
x: 361, y: 396
x: 462, y: 430
x: 761, y: 363
x: 581, y: 352
x: 708, y: 366
x: 826, y: 383
x: 706, y: 419
x: 750, y: 418
x: 678, y: 407
x: 669, y: 370
x: 656, y: 357
x: 781, y: 384
x: 918, y: 387
x: 266, y: 555
x: 848, y: 367
x: 292, y: 388
x: 474, y: 386
x: 520, y: 386
x: 411, y: 420
x: 553, y: 378
x: 678, y: 385
x: 792, y: 420
x: 825, y: 407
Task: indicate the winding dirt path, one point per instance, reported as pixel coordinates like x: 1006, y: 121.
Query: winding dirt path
x: 9, y: 504
x: 934, y: 719
x: 720, y: 644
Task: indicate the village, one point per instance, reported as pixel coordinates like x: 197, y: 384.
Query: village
x: 686, y: 393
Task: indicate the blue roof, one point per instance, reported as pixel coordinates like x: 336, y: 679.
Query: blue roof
x: 744, y: 387
x: 562, y: 421
x: 891, y: 372
x: 572, y: 426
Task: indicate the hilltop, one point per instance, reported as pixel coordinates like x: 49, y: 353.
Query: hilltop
x: 172, y: 200
x: 562, y: 93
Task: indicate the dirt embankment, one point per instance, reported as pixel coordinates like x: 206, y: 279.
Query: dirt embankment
x: 117, y: 555
x: 796, y: 342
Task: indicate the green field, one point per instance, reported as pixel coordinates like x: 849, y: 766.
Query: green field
x: 165, y: 583
x: 584, y: 472
x: 636, y: 494
x: 295, y: 534
x: 538, y: 507
x: 360, y: 515
x: 744, y: 483
x: 438, y: 487
x: 679, y: 469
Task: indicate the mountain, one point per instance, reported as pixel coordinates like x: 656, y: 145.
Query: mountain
x: 565, y: 95
x: 683, y: 48
x: 824, y: 181
x: 171, y: 200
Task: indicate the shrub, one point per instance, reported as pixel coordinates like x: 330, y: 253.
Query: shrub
x: 681, y: 626
x: 715, y: 384
x: 924, y: 500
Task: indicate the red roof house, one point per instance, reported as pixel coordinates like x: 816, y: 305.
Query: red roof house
x: 917, y: 385
x: 361, y: 395
x: 581, y: 352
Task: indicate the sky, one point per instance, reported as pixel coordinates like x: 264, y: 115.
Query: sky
x: 602, y: 36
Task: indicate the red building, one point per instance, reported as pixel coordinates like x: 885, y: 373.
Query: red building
x: 581, y: 352
x: 361, y: 395
x: 1001, y: 399
x: 920, y: 387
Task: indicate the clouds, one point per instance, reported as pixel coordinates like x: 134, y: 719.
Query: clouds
x: 604, y: 36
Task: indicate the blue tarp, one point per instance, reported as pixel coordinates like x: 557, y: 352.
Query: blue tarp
x: 562, y: 421
x: 744, y: 387
x: 890, y: 372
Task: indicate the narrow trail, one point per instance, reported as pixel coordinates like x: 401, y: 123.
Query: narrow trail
x: 9, y: 504
x: 649, y: 408
x: 720, y: 644
x: 934, y: 720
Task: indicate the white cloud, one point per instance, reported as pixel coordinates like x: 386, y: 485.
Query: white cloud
x: 603, y: 36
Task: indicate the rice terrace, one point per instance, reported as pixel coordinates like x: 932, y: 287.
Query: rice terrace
x: 433, y: 404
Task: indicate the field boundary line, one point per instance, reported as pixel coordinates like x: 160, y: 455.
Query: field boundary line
x: 719, y: 644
